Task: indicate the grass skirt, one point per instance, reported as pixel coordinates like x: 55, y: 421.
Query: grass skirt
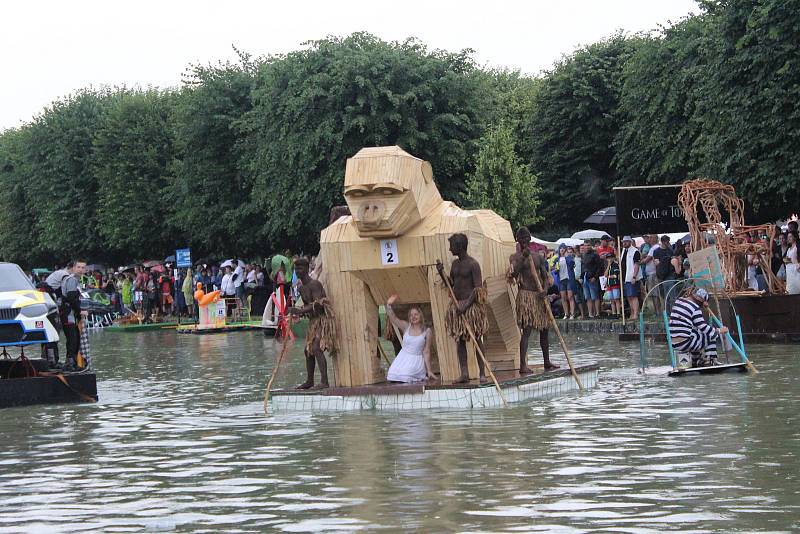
x: 321, y: 326
x: 475, y: 316
x: 531, y: 311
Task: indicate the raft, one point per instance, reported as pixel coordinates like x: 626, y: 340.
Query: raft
x: 714, y: 369
x: 227, y: 328
x: 47, y: 387
x: 409, y: 397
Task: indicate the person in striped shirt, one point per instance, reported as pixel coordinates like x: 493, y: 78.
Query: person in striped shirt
x: 689, y: 331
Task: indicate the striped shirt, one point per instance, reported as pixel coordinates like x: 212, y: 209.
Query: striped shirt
x: 687, y: 320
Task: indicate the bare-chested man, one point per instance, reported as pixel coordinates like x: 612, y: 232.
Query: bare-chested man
x: 531, y: 300
x: 465, y: 277
x: 321, y: 328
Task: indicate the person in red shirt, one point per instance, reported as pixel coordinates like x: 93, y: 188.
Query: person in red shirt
x: 605, y: 247
x: 165, y: 281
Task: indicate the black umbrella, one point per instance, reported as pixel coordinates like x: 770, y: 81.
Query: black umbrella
x: 170, y: 259
x: 603, y: 216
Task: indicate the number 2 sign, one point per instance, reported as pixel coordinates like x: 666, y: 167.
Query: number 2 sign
x: 389, y: 252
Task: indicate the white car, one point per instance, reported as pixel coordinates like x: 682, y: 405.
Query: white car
x: 23, y: 310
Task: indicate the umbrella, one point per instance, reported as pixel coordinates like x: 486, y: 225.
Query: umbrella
x: 604, y: 216
x: 130, y: 267
x: 570, y: 242
x: 151, y: 263
x: 589, y: 234
x: 229, y: 263
x: 95, y: 267
x: 157, y: 268
x: 170, y: 259
x: 277, y: 259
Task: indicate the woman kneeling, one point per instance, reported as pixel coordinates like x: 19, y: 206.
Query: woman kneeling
x: 413, y: 363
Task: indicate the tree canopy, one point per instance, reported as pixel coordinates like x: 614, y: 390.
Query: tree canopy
x: 248, y: 157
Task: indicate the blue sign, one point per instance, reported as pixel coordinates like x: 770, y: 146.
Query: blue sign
x: 183, y: 257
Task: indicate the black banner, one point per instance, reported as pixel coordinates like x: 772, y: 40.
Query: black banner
x: 649, y: 210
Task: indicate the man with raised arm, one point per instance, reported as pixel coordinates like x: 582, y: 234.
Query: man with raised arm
x: 321, y: 335
x: 467, y: 282
x: 531, y: 299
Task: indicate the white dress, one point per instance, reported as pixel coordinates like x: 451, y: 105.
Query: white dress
x: 792, y: 272
x: 409, y: 365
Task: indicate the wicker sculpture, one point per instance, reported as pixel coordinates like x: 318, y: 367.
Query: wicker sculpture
x: 733, y: 247
x: 398, y: 229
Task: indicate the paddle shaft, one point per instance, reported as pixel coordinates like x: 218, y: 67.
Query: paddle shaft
x: 539, y: 287
x: 472, y: 335
x: 275, y: 373
x: 746, y: 359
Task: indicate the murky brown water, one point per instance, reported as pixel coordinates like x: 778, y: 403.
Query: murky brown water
x: 178, y: 442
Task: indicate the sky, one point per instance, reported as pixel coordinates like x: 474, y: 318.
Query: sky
x: 53, y: 48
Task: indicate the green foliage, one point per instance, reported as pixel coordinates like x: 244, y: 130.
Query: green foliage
x: 749, y: 108
x: 314, y: 108
x: 657, y: 140
x: 501, y: 181
x: 210, y: 192
x: 573, y: 126
x: 132, y: 150
x: 248, y: 157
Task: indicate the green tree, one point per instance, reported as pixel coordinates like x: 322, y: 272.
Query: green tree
x: 58, y: 160
x: 316, y: 107
x: 659, y: 126
x: 749, y: 108
x: 133, y: 147
x: 573, y: 126
x: 210, y: 191
x: 19, y: 241
x: 501, y: 181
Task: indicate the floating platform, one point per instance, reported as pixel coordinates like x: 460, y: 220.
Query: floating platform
x: 145, y: 327
x: 47, y: 387
x: 714, y: 369
x: 233, y: 327
x: 402, y: 397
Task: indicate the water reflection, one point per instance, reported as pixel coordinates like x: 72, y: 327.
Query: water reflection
x: 178, y: 442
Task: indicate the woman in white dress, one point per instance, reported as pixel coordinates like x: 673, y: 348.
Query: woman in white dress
x: 413, y: 363
x: 792, y: 265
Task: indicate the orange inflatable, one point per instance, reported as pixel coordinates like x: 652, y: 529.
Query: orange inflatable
x: 208, y: 298
x: 198, y: 295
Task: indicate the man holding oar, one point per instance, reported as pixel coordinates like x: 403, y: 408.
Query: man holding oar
x: 531, y: 300
x: 469, y: 312
x: 321, y: 334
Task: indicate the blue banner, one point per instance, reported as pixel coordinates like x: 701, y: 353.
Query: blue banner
x: 183, y: 257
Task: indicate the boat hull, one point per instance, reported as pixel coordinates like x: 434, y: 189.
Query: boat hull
x: 715, y: 369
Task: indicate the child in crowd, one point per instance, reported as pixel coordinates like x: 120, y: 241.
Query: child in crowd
x: 612, y: 283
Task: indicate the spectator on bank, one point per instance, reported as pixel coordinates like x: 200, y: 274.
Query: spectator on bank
x: 612, y: 294
x: 792, y: 265
x: 631, y: 275
x: 187, y: 288
x: 661, y: 259
x: 592, y: 266
x: 127, y: 291
x: 605, y: 246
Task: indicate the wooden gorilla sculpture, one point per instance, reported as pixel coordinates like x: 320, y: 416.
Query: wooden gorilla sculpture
x: 390, y: 244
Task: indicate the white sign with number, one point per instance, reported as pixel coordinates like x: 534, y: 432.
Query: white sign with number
x: 389, y: 254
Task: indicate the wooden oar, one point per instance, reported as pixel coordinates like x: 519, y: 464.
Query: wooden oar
x: 719, y: 310
x: 440, y: 269
x: 539, y: 287
x: 278, y: 363
x: 383, y: 353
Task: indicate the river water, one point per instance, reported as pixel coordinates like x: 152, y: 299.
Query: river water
x: 179, y: 442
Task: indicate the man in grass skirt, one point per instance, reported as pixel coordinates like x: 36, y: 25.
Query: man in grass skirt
x: 467, y: 283
x: 531, y: 299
